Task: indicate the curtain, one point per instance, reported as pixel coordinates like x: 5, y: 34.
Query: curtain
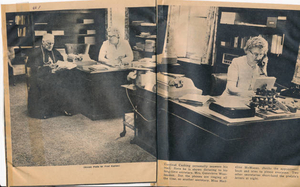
x: 208, y: 54
x: 176, y: 33
x: 191, y: 33
x: 126, y: 34
x: 169, y: 49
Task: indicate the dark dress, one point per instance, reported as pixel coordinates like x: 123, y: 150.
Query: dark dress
x: 46, y: 90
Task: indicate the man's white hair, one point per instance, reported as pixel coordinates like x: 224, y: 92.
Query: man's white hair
x: 48, y: 36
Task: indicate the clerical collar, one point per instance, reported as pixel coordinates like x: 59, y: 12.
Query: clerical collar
x: 49, y: 53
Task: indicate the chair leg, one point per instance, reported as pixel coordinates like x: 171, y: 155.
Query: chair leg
x: 133, y: 141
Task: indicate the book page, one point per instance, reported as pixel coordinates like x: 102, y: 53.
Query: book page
x: 213, y: 128
x: 69, y: 113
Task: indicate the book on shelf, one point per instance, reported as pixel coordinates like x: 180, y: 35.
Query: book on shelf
x: 236, y: 42
x: 22, y: 32
x: 20, y: 20
x: 277, y: 44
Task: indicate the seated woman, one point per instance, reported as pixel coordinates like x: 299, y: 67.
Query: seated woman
x: 244, y: 70
x: 115, y: 51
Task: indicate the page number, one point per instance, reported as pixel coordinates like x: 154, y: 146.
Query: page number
x: 36, y: 7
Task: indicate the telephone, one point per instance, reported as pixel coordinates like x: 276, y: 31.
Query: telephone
x: 261, y: 63
x: 143, y: 78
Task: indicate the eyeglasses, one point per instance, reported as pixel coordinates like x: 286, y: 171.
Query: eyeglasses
x: 110, y: 36
x: 49, y: 43
x: 257, y: 54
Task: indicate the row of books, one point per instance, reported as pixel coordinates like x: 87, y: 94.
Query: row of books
x: 22, y: 32
x: 234, y: 18
x: 235, y: 42
x: 21, y: 19
x: 275, y: 42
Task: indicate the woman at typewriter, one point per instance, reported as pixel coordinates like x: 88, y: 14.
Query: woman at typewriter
x: 245, y: 69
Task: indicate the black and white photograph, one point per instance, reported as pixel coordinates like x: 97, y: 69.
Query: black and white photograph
x: 162, y: 91
x: 228, y: 84
x: 74, y: 80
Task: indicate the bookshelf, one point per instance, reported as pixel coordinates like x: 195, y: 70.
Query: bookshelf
x: 279, y: 27
x: 72, y: 26
x: 69, y: 26
x: 20, y: 38
x: 142, y: 32
x: 19, y: 28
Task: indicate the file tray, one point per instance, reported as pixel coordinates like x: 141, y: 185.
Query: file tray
x: 233, y: 112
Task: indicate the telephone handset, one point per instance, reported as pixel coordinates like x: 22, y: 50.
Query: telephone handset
x: 262, y: 62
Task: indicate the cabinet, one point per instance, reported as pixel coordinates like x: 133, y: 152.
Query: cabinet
x: 142, y: 31
x: 278, y: 27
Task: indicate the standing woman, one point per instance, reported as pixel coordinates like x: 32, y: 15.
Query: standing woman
x: 245, y: 69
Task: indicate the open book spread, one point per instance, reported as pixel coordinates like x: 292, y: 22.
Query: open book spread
x: 168, y: 92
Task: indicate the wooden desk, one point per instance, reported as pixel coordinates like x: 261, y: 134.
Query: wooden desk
x: 144, y: 117
x: 201, y: 135
x: 95, y: 94
x: 205, y: 111
x: 99, y: 94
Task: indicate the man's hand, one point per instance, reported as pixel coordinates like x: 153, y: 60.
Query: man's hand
x: 53, y: 67
x: 55, y: 70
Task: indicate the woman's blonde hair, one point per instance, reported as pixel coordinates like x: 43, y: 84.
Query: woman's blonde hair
x: 256, y: 42
x: 113, y: 31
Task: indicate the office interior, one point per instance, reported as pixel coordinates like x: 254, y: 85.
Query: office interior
x: 194, y: 47
x: 204, y: 50
x: 198, y: 44
x: 101, y: 127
